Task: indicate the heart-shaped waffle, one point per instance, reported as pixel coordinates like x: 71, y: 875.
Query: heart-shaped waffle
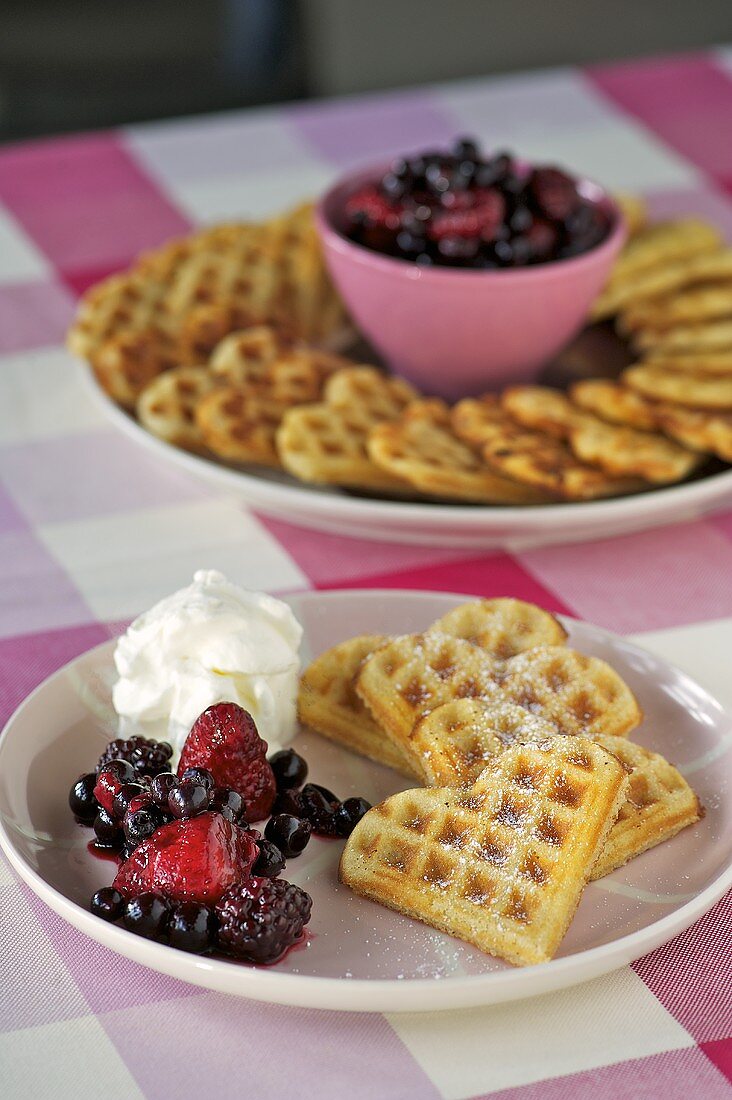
x: 502, y: 864
x: 167, y: 405
x: 327, y: 700
x: 408, y: 677
x: 458, y: 740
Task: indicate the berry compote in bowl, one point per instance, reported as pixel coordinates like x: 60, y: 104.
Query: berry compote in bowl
x: 468, y: 272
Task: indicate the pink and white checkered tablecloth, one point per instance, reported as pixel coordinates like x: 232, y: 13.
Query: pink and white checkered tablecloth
x: 92, y: 531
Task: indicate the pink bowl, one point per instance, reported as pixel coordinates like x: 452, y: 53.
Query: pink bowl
x: 452, y: 331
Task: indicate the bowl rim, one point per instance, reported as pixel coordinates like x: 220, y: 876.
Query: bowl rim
x: 333, y: 238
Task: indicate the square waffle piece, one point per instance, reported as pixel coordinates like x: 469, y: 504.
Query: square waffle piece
x: 407, y: 677
x: 328, y: 703
x: 456, y: 742
x: 501, y: 864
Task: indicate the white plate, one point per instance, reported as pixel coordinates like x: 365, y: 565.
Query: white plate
x: 329, y: 509
x: 361, y: 956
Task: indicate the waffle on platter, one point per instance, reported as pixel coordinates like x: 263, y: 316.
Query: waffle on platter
x: 251, y: 304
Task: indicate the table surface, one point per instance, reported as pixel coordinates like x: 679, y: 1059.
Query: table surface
x: 92, y: 531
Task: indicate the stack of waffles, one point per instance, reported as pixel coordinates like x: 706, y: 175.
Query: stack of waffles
x: 528, y: 783
x: 174, y: 305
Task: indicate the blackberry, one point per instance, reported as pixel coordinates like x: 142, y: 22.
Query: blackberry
x: 146, y: 756
x: 191, y: 927
x: 261, y: 917
x: 82, y: 802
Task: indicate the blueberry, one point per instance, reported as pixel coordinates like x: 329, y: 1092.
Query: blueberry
x: 191, y: 927
x: 124, y: 796
x: 201, y: 776
x: 107, y: 903
x: 289, y: 833
x: 393, y: 186
x: 84, y: 805
x: 147, y: 915
x: 466, y: 149
x: 107, y: 830
x: 319, y: 806
x: 349, y: 813
x: 140, y: 824
x: 228, y: 803
x: 122, y: 769
x: 270, y: 860
x: 290, y: 770
x: 161, y: 787
x: 188, y: 799
x: 287, y: 802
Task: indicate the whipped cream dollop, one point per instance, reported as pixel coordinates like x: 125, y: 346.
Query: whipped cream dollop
x: 208, y: 643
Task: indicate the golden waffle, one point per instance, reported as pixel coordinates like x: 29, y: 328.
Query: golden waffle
x: 634, y: 210
x: 242, y: 357
x: 121, y: 303
x: 710, y: 362
x: 614, y: 403
x: 456, y: 741
x: 706, y: 431
x: 692, y: 389
x: 709, y: 267
x: 326, y: 443
x: 686, y: 339
x: 619, y: 451
x: 189, y: 294
x: 502, y: 864
x: 408, y: 677
x: 687, y: 307
x: 659, y: 804
x: 126, y: 363
x: 167, y: 406
x: 501, y: 626
x: 422, y: 448
x: 239, y: 426
x: 328, y: 704
x: 535, y: 457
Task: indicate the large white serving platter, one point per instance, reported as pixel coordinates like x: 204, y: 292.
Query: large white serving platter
x: 360, y: 956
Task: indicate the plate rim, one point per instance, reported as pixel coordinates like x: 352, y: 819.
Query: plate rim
x: 267, y: 984
x: 659, y: 503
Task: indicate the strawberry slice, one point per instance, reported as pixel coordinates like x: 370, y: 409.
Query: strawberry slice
x: 195, y: 860
x: 225, y: 740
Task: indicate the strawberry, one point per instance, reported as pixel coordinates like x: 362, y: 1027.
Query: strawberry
x: 224, y: 740
x: 370, y: 204
x: 482, y: 219
x: 194, y: 860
